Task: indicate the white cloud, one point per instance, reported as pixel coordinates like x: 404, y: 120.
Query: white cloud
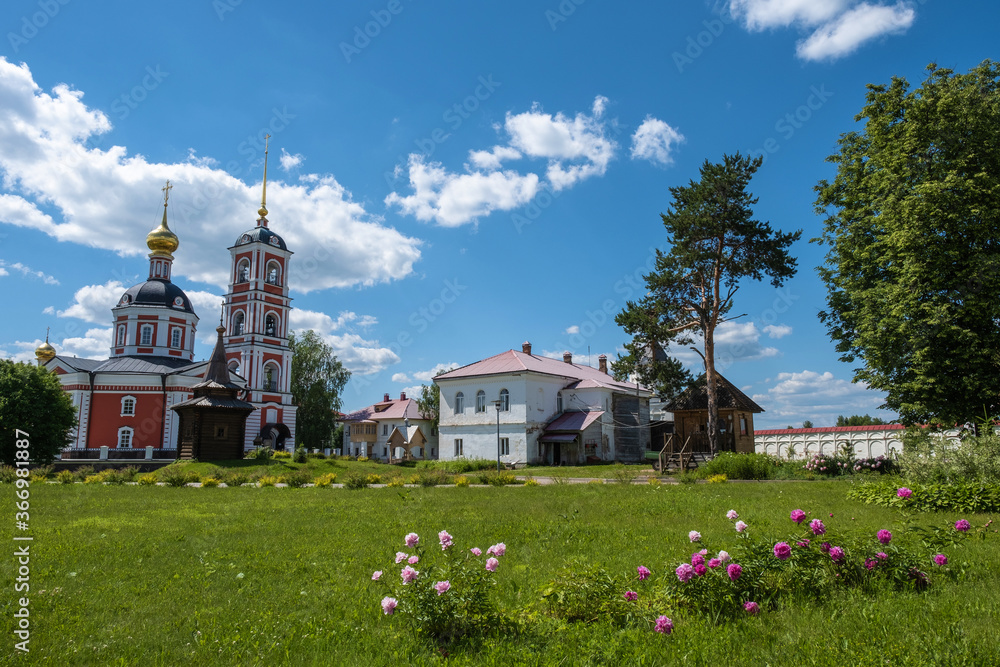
x: 47, y: 165
x: 94, y: 344
x: 579, y: 359
x: 575, y: 148
x: 654, y: 141
x: 400, y: 377
x: 427, y: 376
x: 777, y: 330
x: 289, y: 161
x: 413, y: 392
x: 855, y: 27
x: 93, y: 303
x: 26, y: 271
x: 359, y: 355
x: 734, y: 341
x: 818, y: 397
x: 838, y: 27
x: 572, y: 330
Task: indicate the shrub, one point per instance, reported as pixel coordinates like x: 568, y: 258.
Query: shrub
x: 120, y: 475
x: 326, y: 480
x: 459, y: 465
x: 395, y: 482
x: 267, y: 480
x: 933, y: 458
x: 210, y: 481
x: 362, y: 458
x: 716, y: 479
x: 828, y: 465
x: 596, y: 481
x: 149, y: 479
x: 41, y: 473
x: 300, y: 455
x: 66, y: 477
x: 433, y: 478
x: 355, y: 481
x: 739, y: 466
x: 99, y: 478
x: 413, y: 479
x: 260, y: 454
x: 687, y: 477
x: 531, y: 481
x: 374, y: 478
x: 494, y: 478
x: 879, y: 464
x: 654, y: 481
x: 624, y: 474
x: 8, y: 474
x: 583, y: 592
x: 298, y: 478
x: 235, y: 477
x: 175, y: 475
x: 461, y: 480
x: 83, y: 472
x: 282, y: 454
x: 316, y: 455
x: 967, y: 497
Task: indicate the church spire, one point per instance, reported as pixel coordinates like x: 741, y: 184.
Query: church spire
x: 45, y: 352
x: 162, y: 243
x: 262, y: 220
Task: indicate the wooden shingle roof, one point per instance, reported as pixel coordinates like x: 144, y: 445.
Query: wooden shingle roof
x: 729, y: 396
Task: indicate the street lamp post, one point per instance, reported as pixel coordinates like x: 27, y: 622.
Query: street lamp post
x: 496, y: 404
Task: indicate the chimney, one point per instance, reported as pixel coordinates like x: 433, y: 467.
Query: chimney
x: 402, y: 395
x: 386, y: 399
x: 526, y: 347
x: 568, y: 357
x: 602, y: 363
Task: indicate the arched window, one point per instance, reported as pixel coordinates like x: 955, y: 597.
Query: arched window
x: 238, y: 323
x: 175, y: 337
x: 121, y: 335
x: 146, y: 334
x: 125, y: 437
x: 459, y: 403
x: 270, y: 377
x: 480, y: 401
x: 128, y: 406
x: 271, y: 325
x: 504, y: 400
x: 243, y: 271
x: 559, y: 405
x: 273, y: 274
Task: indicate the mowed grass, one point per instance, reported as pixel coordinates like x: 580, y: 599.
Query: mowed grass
x: 281, y: 576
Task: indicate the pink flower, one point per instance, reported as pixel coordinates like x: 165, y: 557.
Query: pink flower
x: 664, y: 625
x: 413, y: 560
x: 752, y: 608
x: 694, y: 536
x: 825, y: 547
x: 798, y: 516
x: 817, y: 527
x: 883, y: 555
x: 400, y: 557
x: 724, y: 556
x: 442, y: 586
x: 631, y: 596
x: 491, y: 564
x: 408, y: 574
x: 782, y: 551
x: 412, y: 539
x: 700, y: 570
x: 714, y: 562
x: 697, y: 559
x: 940, y: 560
x: 837, y: 554
x: 802, y: 543
x: 704, y: 552
x: 684, y: 572
x: 497, y: 549
x: 740, y: 526
x: 870, y: 563
x: 643, y: 573
x: 732, y: 515
x: 445, y: 539
x: 476, y: 551
x: 389, y: 605
x: 904, y: 492
x: 962, y: 525
x: 376, y: 575
x: 884, y: 536
x: 734, y: 571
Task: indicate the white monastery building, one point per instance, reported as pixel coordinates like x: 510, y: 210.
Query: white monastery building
x: 392, y: 430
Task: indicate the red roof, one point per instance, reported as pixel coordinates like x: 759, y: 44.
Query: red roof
x: 513, y: 361
x: 574, y: 421
x: 831, y: 429
x: 396, y: 409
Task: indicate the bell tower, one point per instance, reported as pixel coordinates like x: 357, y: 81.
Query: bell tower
x: 255, y: 315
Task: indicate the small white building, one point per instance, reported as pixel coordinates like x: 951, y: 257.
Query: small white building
x: 530, y: 409
x: 392, y: 430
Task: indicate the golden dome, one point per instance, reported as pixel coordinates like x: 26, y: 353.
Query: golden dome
x: 161, y: 241
x: 45, y: 352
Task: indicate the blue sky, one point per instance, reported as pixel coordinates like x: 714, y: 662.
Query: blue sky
x: 453, y: 179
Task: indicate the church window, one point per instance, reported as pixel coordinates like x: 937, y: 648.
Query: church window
x: 121, y: 335
x: 271, y: 325
x: 128, y: 406
x: 125, y: 437
x: 243, y: 271
x: 272, y: 273
x: 146, y: 335
x: 481, y: 401
x: 459, y: 403
x: 175, y: 337
x: 238, y: 323
x: 504, y: 400
x: 270, y: 378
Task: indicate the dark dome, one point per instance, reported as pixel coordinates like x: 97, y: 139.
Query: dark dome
x: 156, y: 292
x: 261, y: 235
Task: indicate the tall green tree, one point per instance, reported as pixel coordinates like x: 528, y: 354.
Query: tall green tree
x: 913, y: 229
x: 665, y: 375
x: 859, y: 420
x: 318, y: 380
x: 32, y: 400
x: 429, y: 403
x: 715, y: 245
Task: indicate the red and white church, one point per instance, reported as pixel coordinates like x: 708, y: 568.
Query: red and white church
x: 124, y: 402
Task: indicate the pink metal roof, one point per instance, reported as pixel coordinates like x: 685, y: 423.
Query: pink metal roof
x: 397, y: 409
x: 558, y: 437
x: 574, y: 421
x: 830, y: 429
x: 513, y: 361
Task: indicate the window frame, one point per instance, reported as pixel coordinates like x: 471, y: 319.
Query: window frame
x: 178, y: 334
x: 504, y: 446
x: 459, y: 403
x: 143, y: 330
x: 131, y: 402
x: 504, y: 400
x: 122, y: 333
x: 459, y: 447
x: 480, y: 401
x: 126, y: 435
x: 239, y: 323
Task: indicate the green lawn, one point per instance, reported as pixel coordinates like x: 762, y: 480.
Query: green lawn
x: 279, y: 576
